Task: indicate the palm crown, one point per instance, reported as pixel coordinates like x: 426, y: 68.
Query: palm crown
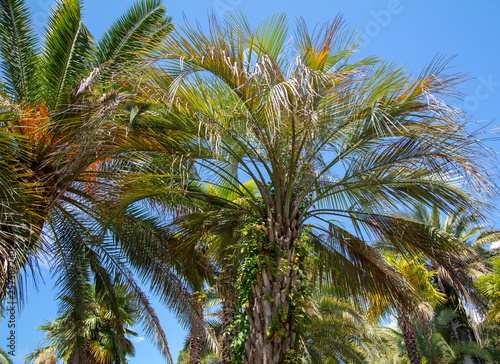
x: 327, y: 141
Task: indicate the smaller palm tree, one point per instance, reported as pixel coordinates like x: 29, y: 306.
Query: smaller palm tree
x: 105, y: 342
x: 442, y: 348
x: 490, y: 286
x: 336, y: 331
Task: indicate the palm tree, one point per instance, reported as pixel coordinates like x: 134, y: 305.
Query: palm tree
x: 338, y: 332
x: 443, y: 348
x: 418, y: 276
x: 333, y: 145
x: 56, y: 115
x: 202, y: 344
x: 437, y: 345
x: 40, y: 102
x: 456, y: 289
x: 460, y: 294
x: 105, y: 342
x: 490, y: 285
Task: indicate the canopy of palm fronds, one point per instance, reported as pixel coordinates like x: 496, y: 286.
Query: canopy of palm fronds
x: 326, y: 140
x: 332, y: 143
x: 63, y: 144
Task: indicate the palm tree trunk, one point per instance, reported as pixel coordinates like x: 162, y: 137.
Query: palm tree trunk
x: 272, y: 332
x: 408, y: 332
x: 196, y: 343
x: 228, y: 312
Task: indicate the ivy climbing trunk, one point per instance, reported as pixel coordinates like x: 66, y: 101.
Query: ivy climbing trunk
x: 408, y: 333
x: 272, y: 335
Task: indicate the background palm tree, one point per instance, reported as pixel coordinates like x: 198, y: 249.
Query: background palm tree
x: 325, y: 140
x: 105, y: 342
x: 462, y: 296
x: 419, y: 278
x: 338, y: 332
x: 438, y: 286
x: 490, y: 285
x: 443, y: 347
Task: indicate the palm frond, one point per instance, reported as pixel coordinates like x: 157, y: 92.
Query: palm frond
x: 144, y: 21
x: 19, y: 53
x: 66, y: 54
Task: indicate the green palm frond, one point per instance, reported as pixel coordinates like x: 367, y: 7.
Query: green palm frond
x: 442, y: 347
x: 338, y: 332
x: 67, y: 52
x: 18, y: 49
x: 490, y: 286
x: 144, y: 21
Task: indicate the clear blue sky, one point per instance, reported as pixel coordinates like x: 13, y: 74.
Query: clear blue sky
x: 410, y: 32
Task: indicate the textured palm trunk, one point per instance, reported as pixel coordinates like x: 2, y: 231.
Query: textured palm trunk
x: 408, y: 332
x: 196, y: 342
x: 228, y: 312
x: 272, y: 332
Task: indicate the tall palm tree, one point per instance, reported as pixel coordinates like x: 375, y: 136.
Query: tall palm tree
x: 333, y: 145
x: 56, y: 114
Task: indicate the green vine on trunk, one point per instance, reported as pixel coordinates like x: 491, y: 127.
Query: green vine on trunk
x: 259, y: 253
x: 254, y: 241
